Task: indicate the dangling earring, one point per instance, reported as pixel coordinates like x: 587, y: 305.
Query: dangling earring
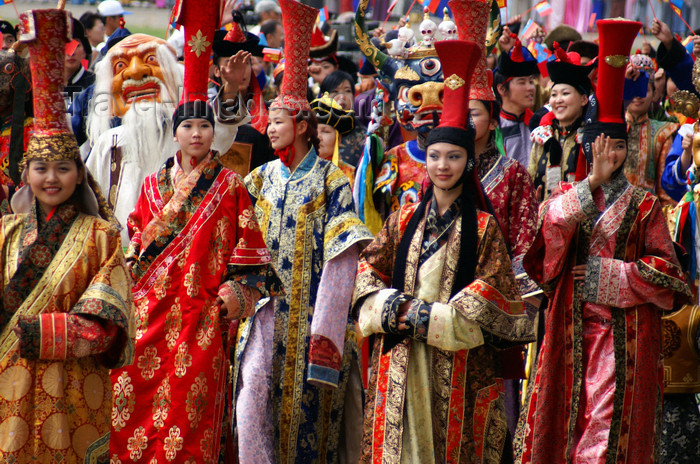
x: 470, y: 165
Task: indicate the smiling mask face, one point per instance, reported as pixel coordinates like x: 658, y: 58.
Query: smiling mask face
x: 137, y: 72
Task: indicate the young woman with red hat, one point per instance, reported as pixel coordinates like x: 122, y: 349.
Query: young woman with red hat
x: 605, y: 258
x: 436, y: 289
x: 66, y: 312
x: 556, y: 150
x: 297, y: 370
x: 506, y: 183
x: 198, y: 261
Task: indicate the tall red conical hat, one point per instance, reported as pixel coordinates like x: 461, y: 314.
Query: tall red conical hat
x: 298, y: 22
x: 458, y: 58
x: 200, y: 20
x: 472, y: 18
x: 46, y: 32
x: 605, y: 115
x: 615, y: 42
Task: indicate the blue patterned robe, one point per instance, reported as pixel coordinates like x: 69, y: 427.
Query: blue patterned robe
x: 307, y: 218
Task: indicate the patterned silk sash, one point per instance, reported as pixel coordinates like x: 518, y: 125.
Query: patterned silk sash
x: 39, y: 295
x: 180, y: 206
x: 40, y: 246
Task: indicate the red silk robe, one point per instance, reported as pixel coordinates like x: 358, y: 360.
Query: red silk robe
x: 188, y: 242
x: 598, y: 387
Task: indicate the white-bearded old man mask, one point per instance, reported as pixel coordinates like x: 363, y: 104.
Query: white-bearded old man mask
x: 139, y: 81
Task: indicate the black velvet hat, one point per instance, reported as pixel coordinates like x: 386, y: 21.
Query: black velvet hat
x: 567, y: 69
x: 518, y: 63
x: 229, y: 43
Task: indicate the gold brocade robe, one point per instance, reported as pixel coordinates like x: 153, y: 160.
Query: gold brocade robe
x: 438, y: 398
x: 56, y: 395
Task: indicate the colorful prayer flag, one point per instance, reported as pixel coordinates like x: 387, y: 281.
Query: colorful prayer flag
x: 502, y: 3
x: 591, y: 21
x: 6, y: 2
x: 531, y: 48
x: 530, y: 29
x: 272, y: 55
x: 676, y: 6
x: 688, y: 43
x: 434, y: 5
x: 323, y: 15
x: 542, y: 53
x: 544, y: 9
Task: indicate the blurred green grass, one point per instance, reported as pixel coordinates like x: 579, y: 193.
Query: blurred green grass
x: 154, y: 31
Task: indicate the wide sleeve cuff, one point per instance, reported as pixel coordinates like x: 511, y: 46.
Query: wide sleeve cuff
x: 450, y: 331
x: 418, y: 319
x: 324, y: 362
x: 63, y: 336
x: 376, y: 312
x: 262, y: 278
x: 504, y: 320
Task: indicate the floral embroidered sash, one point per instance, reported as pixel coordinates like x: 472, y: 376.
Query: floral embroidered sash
x: 181, y: 202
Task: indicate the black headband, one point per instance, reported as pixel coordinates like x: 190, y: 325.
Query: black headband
x: 196, y: 109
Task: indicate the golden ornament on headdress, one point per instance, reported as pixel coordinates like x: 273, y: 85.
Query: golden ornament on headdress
x: 454, y: 82
x: 617, y: 61
x: 56, y: 147
x: 406, y: 73
x: 685, y: 103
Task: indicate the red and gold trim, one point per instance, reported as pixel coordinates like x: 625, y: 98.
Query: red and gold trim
x: 200, y: 20
x: 46, y: 32
x: 54, y: 336
x: 298, y: 21
x: 471, y: 18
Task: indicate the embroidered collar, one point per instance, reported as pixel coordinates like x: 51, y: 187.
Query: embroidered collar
x: 524, y: 118
x: 415, y: 152
x: 302, y: 169
x: 487, y: 160
x: 436, y: 224
x: 632, y: 121
x: 615, y: 187
x: 177, y: 174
